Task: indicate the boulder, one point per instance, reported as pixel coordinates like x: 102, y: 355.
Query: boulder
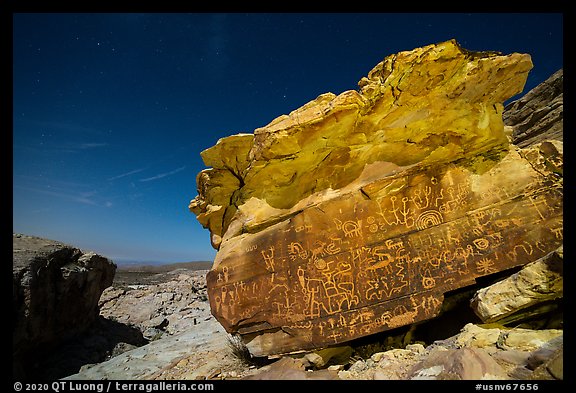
x: 355, y: 213
x: 539, y: 114
x: 458, y: 364
x: 55, y: 288
x: 538, y: 282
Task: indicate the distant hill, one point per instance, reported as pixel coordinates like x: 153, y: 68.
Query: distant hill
x: 163, y: 268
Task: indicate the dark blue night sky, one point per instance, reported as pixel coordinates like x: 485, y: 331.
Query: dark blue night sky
x: 112, y: 110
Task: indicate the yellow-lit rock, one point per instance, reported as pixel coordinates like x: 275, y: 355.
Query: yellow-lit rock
x: 434, y: 104
x: 355, y: 213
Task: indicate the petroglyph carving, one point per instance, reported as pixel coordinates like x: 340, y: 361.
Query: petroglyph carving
x: 268, y: 257
x: 485, y: 266
x: 417, y: 199
x: 558, y: 232
x: 350, y: 228
x: 481, y: 243
x: 296, y: 250
x: 429, y: 219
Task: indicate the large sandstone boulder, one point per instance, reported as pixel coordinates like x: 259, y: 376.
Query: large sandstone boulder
x: 355, y: 213
x: 55, y: 293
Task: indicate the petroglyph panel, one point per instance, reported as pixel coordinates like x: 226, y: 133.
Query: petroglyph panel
x: 345, y: 268
x: 356, y: 212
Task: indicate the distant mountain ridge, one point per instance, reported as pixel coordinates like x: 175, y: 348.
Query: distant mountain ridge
x: 165, y: 267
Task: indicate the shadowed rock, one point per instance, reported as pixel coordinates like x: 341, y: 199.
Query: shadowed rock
x: 55, y: 288
x: 539, y: 114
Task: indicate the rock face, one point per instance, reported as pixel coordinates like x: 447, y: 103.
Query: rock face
x: 355, y: 213
x: 55, y: 290
x: 170, y: 307
x: 539, y: 114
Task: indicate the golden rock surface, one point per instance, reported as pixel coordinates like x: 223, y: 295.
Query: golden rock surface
x: 355, y: 213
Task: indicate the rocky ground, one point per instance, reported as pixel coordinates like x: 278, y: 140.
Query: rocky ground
x: 172, y: 312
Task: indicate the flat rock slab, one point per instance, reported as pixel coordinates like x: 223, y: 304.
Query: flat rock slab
x: 149, y: 361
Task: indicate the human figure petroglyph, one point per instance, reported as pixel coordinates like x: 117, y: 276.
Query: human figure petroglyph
x: 393, y: 210
x: 427, y: 303
x: 223, y: 276
x: 417, y: 198
x: 404, y: 211
x: 300, y: 273
x: 407, y: 214
x: 335, y: 335
x: 313, y: 305
x: 269, y: 258
x: 457, y: 198
x: 239, y: 286
x: 330, y: 293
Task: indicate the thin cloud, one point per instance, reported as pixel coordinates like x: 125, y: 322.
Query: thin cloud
x: 93, y: 145
x: 67, y: 127
x: 126, y: 174
x: 80, y: 198
x: 48, y: 147
x: 73, y: 147
x: 160, y: 176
